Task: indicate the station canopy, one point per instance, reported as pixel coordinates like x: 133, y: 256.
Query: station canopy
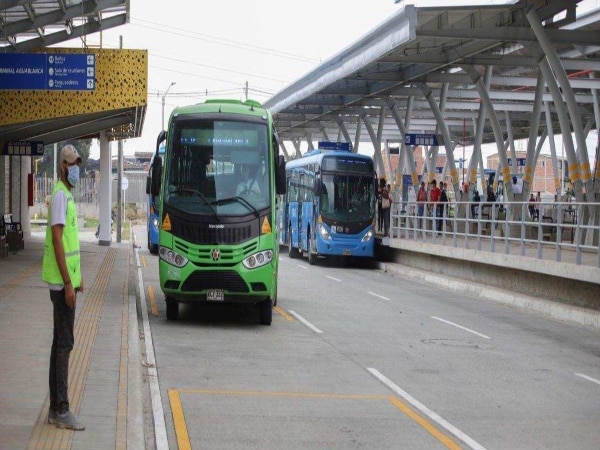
x: 29, y: 26
x: 442, y: 49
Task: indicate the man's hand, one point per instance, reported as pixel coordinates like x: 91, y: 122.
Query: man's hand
x: 70, y: 295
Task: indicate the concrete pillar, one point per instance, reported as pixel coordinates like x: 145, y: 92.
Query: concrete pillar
x: 25, y: 169
x: 104, y: 194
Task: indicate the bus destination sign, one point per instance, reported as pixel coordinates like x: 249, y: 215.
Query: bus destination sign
x: 48, y: 71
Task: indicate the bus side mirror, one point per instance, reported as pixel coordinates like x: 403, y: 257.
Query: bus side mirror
x: 156, y: 176
x: 148, y: 184
x: 280, y: 182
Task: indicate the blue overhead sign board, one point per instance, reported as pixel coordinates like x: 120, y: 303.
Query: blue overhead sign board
x: 423, y: 139
x: 47, y: 71
x: 22, y: 148
x: 333, y: 145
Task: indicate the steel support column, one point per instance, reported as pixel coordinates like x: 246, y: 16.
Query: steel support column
x: 477, y: 78
x: 379, y: 167
x: 550, y: 131
x: 428, y: 94
x: 345, y: 133
x: 561, y: 76
x: 530, y: 161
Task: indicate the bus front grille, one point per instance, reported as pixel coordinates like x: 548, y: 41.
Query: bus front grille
x: 228, y: 280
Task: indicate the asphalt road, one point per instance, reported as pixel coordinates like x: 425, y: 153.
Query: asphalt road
x: 358, y: 359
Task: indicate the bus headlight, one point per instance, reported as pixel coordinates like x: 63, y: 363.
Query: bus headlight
x: 324, y: 233
x: 172, y: 257
x: 155, y: 222
x: 258, y: 259
x: 368, y: 236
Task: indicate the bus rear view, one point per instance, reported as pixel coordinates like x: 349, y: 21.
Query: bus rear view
x: 217, y: 241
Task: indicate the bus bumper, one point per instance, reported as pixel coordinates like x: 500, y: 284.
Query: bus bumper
x: 226, y: 285
x: 346, y: 247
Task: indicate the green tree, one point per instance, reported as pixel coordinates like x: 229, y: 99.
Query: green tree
x: 46, y: 165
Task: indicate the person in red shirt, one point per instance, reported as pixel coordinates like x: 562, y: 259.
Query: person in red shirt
x: 434, y: 197
x: 421, y: 201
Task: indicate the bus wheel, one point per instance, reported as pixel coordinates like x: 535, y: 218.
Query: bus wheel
x: 312, y: 257
x: 292, y: 252
x: 172, y: 309
x: 265, y: 309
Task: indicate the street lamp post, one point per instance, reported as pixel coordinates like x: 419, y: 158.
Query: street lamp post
x: 163, y: 104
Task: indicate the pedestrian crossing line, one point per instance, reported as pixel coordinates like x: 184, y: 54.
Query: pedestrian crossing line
x: 86, y: 327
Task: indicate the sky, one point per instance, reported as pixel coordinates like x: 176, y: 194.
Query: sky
x: 215, y: 50
x: 235, y: 47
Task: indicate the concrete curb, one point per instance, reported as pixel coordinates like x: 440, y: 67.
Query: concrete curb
x: 557, y: 311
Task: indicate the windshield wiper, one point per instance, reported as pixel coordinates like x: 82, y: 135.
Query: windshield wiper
x: 238, y: 199
x: 199, y: 194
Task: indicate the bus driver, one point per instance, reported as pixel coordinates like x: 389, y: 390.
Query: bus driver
x: 249, y: 185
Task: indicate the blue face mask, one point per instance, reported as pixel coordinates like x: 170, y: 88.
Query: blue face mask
x: 73, y: 175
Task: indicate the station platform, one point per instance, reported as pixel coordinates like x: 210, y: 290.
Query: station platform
x: 105, y: 379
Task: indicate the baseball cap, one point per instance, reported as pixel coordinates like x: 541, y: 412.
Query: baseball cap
x: 69, y: 154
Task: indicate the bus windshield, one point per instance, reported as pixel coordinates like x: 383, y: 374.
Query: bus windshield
x: 218, y: 167
x: 347, y: 198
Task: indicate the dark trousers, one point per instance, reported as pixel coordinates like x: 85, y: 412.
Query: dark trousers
x: 62, y: 344
x: 379, y: 216
x: 439, y: 213
x: 386, y: 213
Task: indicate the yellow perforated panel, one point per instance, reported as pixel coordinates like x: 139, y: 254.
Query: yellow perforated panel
x: 121, y: 82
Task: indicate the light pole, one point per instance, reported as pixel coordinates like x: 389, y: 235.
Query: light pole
x: 163, y: 104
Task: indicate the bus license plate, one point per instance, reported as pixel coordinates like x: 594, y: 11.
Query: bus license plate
x: 215, y: 295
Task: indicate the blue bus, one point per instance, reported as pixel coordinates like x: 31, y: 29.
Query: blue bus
x: 152, y: 202
x: 329, y: 205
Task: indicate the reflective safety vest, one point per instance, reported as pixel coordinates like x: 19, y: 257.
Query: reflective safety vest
x: 70, y: 239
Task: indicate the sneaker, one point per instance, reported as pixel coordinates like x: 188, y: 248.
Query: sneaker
x: 69, y: 421
x: 52, y: 417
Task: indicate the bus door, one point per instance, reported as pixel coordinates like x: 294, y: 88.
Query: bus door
x: 292, y: 216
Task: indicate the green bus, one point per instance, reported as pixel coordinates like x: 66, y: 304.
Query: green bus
x: 217, y: 240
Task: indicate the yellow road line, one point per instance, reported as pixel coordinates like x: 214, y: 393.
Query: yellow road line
x: 183, y: 438
x: 431, y: 429
x: 284, y: 314
x: 153, y: 305
x: 284, y: 394
x: 143, y: 261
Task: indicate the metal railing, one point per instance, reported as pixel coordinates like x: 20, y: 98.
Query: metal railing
x: 565, y: 228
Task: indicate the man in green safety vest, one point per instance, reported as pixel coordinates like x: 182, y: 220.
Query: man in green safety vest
x: 61, y: 269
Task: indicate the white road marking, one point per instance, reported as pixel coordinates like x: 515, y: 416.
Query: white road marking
x: 425, y: 410
x: 585, y: 377
x: 331, y: 278
x: 380, y: 296
x: 302, y: 267
x: 305, y: 322
x: 461, y: 327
